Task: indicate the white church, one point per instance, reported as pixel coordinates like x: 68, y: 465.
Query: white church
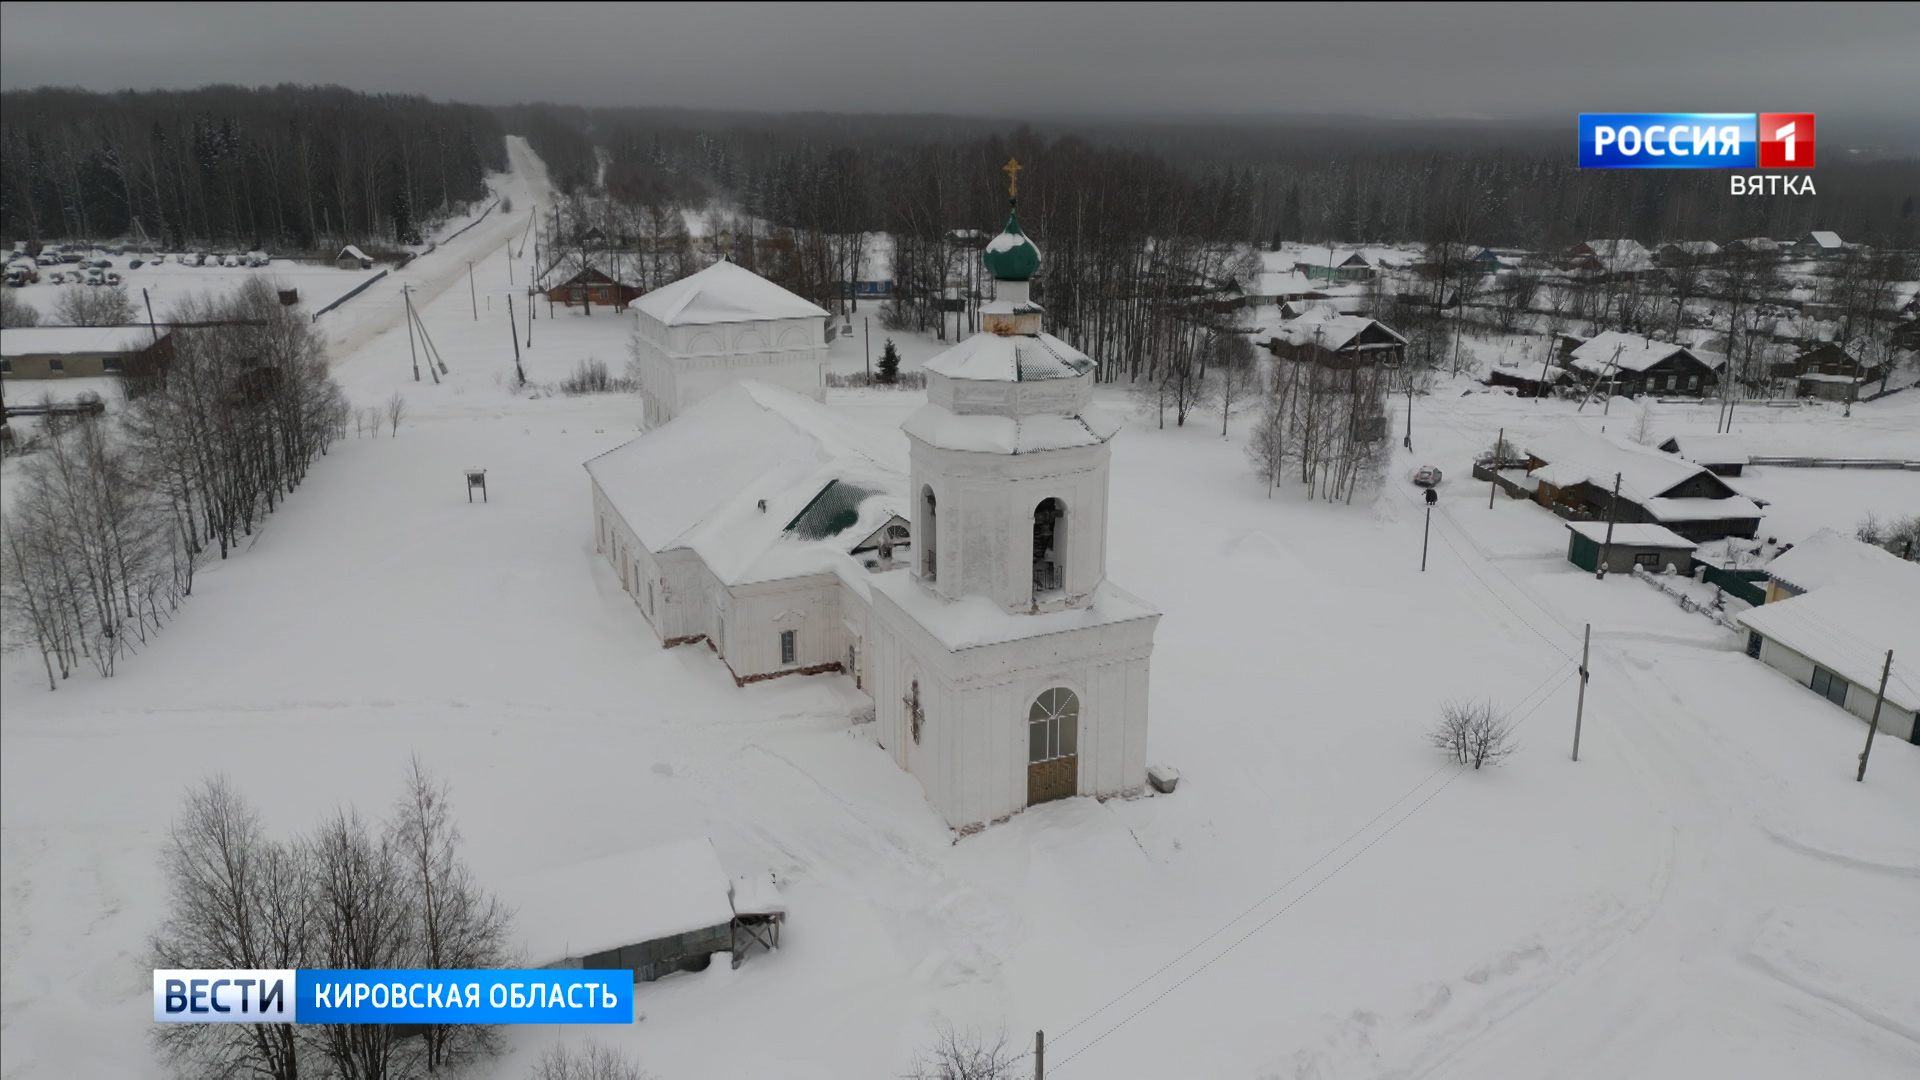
x: 955, y: 570
x: 712, y: 329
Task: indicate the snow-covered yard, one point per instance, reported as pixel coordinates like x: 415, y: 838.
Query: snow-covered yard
x: 1707, y: 891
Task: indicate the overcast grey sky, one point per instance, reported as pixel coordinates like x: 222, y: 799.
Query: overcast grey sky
x: 1459, y: 60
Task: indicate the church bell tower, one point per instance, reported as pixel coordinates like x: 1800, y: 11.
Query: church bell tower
x: 1010, y: 455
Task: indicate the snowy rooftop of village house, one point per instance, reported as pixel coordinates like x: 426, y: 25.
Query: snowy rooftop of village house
x: 1330, y: 330
x: 1832, y: 558
x: 568, y: 912
x: 1849, y: 628
x: 973, y: 621
x: 697, y: 483
x: 724, y: 293
x: 1739, y: 506
x: 72, y: 340
x: 1829, y: 240
x: 1636, y: 353
x: 1641, y: 535
x: 1573, y: 456
x: 1011, y: 358
x: 1722, y: 449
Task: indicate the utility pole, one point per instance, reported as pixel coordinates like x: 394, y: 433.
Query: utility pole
x: 866, y: 337
x: 152, y: 327
x: 1499, y: 448
x: 1432, y: 497
x: 1039, y: 1055
x: 1409, y: 439
x: 514, y: 329
x: 529, y: 320
x: 1580, y: 705
x: 473, y: 294
x: 1874, y: 724
x: 408, y: 300
x: 1606, y: 549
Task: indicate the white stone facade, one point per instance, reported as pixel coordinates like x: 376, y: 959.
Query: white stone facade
x: 679, y: 365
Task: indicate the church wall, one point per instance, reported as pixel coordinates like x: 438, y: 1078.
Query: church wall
x: 682, y: 365
x: 985, y: 517
x: 808, y: 606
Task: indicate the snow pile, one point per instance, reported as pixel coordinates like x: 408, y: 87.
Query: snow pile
x: 575, y: 911
x: 1830, y: 558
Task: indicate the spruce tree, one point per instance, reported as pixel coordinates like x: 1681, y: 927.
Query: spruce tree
x: 889, y: 364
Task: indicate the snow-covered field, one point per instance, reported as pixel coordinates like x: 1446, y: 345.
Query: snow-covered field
x: 1706, y: 892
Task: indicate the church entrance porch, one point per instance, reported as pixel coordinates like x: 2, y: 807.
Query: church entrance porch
x: 1053, y: 761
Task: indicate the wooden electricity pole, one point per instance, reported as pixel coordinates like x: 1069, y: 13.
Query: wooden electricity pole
x: 408, y: 300
x: 472, y: 293
x: 1493, y: 485
x: 1874, y: 724
x: 1580, y: 705
x: 514, y: 329
x: 529, y: 320
x: 1039, y: 1055
x: 1606, y: 549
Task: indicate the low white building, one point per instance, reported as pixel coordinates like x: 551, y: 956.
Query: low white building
x: 1834, y: 641
x: 719, y: 326
x: 1004, y: 668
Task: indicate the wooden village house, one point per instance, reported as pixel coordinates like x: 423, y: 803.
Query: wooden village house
x: 1573, y: 474
x: 592, y: 286
x: 1630, y: 365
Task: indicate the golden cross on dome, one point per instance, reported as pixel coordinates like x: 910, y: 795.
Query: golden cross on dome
x: 1012, y: 169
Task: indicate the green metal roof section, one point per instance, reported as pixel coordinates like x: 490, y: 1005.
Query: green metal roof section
x: 831, y: 512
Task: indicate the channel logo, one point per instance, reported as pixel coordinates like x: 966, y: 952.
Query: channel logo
x: 1696, y: 140
x: 1667, y: 140
x: 438, y: 996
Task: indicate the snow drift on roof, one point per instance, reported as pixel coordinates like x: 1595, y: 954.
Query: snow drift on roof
x: 1636, y: 353
x: 973, y: 621
x: 1331, y: 331
x: 1720, y: 449
x: 724, y: 293
x: 72, y: 340
x: 1831, y: 558
x: 1011, y: 358
x: 570, y: 912
x: 697, y: 483
x: 1849, y: 628
x: 989, y: 434
x: 1639, y: 535
x: 1573, y: 456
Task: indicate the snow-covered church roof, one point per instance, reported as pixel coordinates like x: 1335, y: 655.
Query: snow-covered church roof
x: 1011, y: 358
x: 697, y: 483
x: 724, y: 293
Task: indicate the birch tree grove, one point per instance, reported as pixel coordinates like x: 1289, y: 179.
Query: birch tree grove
x: 1323, y: 426
x: 99, y: 545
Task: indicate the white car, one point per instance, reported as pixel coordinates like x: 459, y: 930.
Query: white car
x: 230, y: 260
x: 1428, y: 476
x: 258, y: 258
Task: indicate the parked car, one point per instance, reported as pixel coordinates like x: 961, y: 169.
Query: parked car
x: 93, y: 275
x: 48, y: 258
x: 104, y: 264
x: 16, y: 278
x: 70, y: 257
x: 1428, y: 476
x: 230, y: 260
x: 258, y: 258
x: 56, y: 278
x: 113, y: 278
x: 189, y: 258
x: 134, y: 264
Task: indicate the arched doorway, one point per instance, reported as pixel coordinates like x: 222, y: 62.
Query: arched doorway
x: 927, y: 528
x: 1053, y: 759
x: 1049, y: 549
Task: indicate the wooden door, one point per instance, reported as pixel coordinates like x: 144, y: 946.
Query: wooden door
x: 1053, y: 760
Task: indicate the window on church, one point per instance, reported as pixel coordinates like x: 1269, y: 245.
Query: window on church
x: 1052, y: 725
x: 928, y: 527
x: 1049, y: 547
x: 786, y: 646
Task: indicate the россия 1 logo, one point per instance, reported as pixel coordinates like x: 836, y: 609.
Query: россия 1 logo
x: 1696, y: 140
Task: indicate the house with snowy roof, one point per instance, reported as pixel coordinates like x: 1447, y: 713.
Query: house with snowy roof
x: 1829, y: 371
x: 1687, y: 253
x: 1721, y: 455
x: 1820, y: 243
x: 352, y: 258
x: 1574, y: 474
x: 70, y: 352
x: 1827, y: 558
x: 1618, y: 258
x: 1350, y: 266
x: 1836, y: 639
x: 1631, y: 365
x: 716, y: 327
x: 1322, y: 336
x: 956, y: 571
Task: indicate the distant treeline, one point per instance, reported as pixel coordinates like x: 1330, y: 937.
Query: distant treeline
x: 1313, y: 182
x: 283, y: 168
